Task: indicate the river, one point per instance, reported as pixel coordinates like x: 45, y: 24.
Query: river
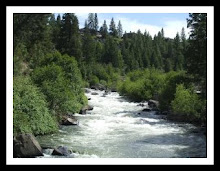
x: 117, y: 128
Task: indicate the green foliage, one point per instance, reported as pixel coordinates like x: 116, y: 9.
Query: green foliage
x: 70, y: 40
x: 30, y: 28
x: 30, y: 111
x: 20, y: 55
x: 94, y: 80
x: 142, y: 84
x: 60, y: 80
x: 100, y: 73
x: 187, y: 103
x: 112, y: 53
x: 112, y: 28
x: 167, y: 93
x: 89, y: 47
x: 196, y: 55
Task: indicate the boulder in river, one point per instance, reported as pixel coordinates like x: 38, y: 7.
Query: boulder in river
x: 61, y: 151
x: 87, y: 91
x: 146, y: 110
x: 141, y: 104
x: 26, y: 146
x: 85, y: 108
x: 94, y: 93
x: 69, y: 121
x: 153, y: 104
x: 98, y: 87
x: 113, y: 90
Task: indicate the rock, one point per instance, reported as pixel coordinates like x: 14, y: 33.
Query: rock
x: 87, y: 91
x: 94, y: 93
x: 157, y: 113
x: 106, y: 93
x: 89, y: 107
x: 70, y: 121
x: 113, y: 90
x: 164, y: 113
x: 153, y: 104
x: 141, y: 104
x: 25, y: 146
x: 146, y: 110
x: 89, y: 98
x: 85, y: 108
x: 164, y: 117
x: 98, y: 87
x: 61, y: 151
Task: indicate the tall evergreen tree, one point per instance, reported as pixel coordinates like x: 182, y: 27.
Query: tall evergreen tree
x: 119, y: 29
x: 104, y: 30
x: 179, y: 59
x: 70, y: 40
x: 162, y: 33
x: 88, y: 47
x: 112, y: 53
x: 197, y: 51
x: 91, y: 21
x: 112, y: 28
x: 30, y: 28
x: 96, y: 23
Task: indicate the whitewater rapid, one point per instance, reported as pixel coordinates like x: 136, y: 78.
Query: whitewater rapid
x: 118, y: 128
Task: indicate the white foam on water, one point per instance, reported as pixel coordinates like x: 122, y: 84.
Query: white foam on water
x: 117, y: 128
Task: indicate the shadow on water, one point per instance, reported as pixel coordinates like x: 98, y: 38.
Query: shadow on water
x: 186, y: 145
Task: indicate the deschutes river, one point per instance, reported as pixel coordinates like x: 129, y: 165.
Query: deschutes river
x: 118, y: 128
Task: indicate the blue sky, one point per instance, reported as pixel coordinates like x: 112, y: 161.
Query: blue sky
x: 151, y: 22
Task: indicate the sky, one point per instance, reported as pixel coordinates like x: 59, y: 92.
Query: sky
x: 151, y: 22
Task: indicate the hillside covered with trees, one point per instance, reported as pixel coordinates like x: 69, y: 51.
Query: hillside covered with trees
x: 54, y: 60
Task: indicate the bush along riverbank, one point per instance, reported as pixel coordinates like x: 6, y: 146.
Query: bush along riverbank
x: 175, y: 95
x: 42, y: 100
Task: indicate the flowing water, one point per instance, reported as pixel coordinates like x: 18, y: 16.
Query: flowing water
x: 117, y: 128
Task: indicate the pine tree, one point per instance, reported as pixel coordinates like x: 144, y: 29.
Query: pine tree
x: 91, y: 22
x: 179, y: 59
x: 184, y: 44
x: 112, y: 28
x: 197, y: 52
x: 70, y: 40
x: 162, y: 33
x: 112, y: 53
x: 96, y: 23
x: 104, y: 30
x: 30, y: 28
x: 88, y: 47
x: 169, y: 61
x: 55, y: 27
x: 183, y: 38
x: 119, y: 29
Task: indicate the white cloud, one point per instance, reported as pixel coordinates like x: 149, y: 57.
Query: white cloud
x: 173, y: 26
x: 170, y: 27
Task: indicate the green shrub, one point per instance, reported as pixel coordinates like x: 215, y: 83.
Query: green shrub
x: 187, y: 103
x: 20, y: 55
x: 167, y: 93
x: 94, y: 80
x: 30, y: 111
x: 60, y: 80
x: 142, y: 84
